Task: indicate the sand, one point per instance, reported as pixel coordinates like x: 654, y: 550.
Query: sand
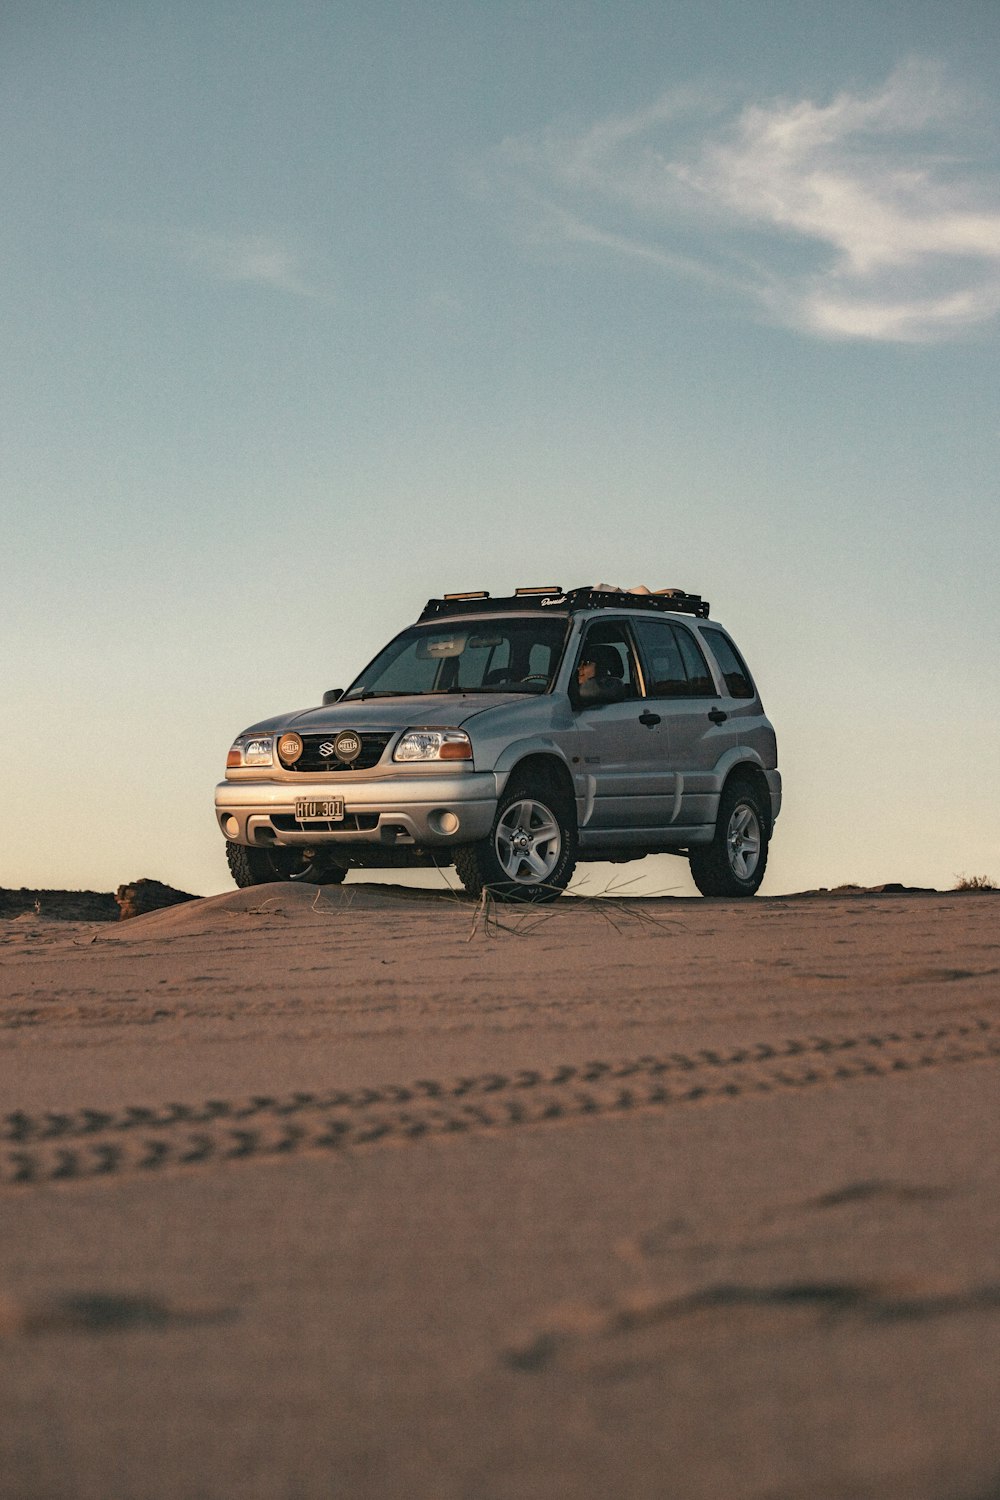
x: 360, y: 1192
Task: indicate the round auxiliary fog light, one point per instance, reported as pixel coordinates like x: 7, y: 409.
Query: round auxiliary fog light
x: 444, y: 822
x: 347, y: 746
x: 230, y: 826
x: 290, y: 748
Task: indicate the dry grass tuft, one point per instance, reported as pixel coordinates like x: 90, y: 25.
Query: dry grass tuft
x: 975, y: 883
x: 493, y: 917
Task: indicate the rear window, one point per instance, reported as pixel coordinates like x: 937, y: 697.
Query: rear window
x: 731, y: 664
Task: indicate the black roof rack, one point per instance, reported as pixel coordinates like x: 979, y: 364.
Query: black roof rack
x: 587, y: 597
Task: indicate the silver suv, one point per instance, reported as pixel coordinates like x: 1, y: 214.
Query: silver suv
x: 513, y: 738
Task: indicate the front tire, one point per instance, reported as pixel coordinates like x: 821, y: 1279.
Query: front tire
x: 263, y: 866
x: 530, y: 853
x: 733, y: 864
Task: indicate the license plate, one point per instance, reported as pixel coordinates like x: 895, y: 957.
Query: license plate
x: 319, y: 809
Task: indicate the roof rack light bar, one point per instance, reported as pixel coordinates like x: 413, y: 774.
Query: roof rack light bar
x: 545, y: 588
x: 473, y: 594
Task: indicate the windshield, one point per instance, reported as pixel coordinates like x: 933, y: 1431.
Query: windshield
x: 513, y: 655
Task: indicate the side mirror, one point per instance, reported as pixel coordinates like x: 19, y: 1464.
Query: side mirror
x: 332, y: 695
x: 596, y: 691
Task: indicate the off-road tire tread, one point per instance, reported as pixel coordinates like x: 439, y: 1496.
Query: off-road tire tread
x: 248, y: 866
x: 710, y: 869
x: 251, y: 867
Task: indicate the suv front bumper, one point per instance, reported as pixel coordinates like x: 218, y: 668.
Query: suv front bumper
x: 403, y: 810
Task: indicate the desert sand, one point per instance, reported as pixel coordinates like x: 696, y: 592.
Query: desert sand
x: 364, y: 1193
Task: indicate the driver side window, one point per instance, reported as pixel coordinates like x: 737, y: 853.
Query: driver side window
x: 609, y: 645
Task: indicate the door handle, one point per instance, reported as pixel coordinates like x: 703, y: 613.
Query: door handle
x: 717, y: 716
x: 649, y: 719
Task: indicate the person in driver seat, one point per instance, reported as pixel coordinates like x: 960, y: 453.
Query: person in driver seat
x: 599, y: 675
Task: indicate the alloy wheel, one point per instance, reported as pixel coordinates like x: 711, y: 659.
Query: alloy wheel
x: 528, y: 842
x: 743, y: 841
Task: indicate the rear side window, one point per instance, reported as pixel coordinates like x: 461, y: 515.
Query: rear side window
x: 731, y: 664
x: 675, y: 667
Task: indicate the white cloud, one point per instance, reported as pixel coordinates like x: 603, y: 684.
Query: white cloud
x: 254, y: 258
x: 251, y: 259
x: 865, y: 217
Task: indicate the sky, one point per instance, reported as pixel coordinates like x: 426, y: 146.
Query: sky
x: 313, y: 311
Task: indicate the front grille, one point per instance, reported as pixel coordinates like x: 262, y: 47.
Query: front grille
x: 372, y: 750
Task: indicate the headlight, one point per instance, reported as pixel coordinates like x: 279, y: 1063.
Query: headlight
x: 251, y: 750
x: 433, y: 744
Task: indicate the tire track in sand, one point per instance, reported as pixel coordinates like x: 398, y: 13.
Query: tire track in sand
x: 91, y: 1143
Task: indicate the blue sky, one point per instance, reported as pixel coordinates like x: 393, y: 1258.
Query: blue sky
x: 312, y: 311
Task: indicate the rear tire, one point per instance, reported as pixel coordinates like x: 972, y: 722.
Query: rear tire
x: 733, y: 864
x: 530, y: 853
x: 263, y: 866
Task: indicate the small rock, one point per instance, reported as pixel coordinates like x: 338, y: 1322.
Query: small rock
x: 148, y: 895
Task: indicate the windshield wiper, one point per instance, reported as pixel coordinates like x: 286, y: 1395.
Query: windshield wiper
x: 507, y: 687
